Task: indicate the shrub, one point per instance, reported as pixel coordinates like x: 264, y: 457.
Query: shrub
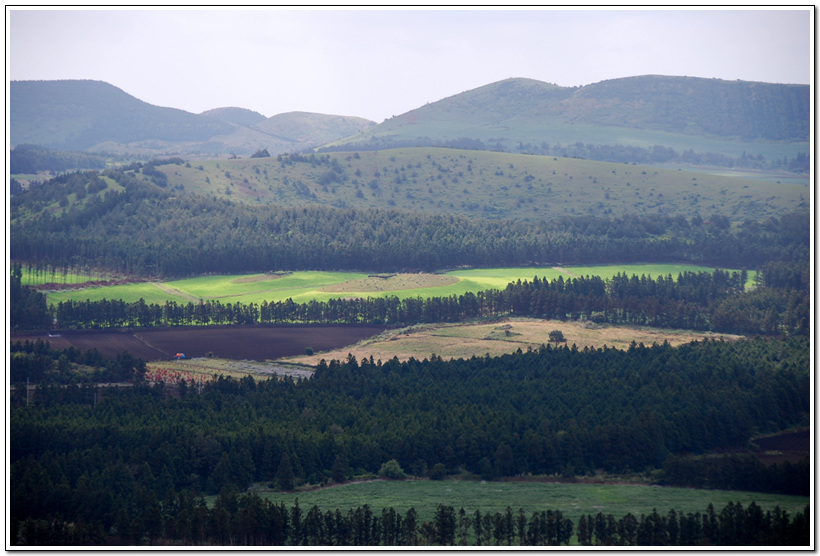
x: 391, y: 470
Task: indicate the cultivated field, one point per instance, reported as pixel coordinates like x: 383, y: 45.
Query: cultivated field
x: 304, y: 286
x: 453, y: 341
x: 791, y: 446
x: 203, y: 369
x: 258, y: 343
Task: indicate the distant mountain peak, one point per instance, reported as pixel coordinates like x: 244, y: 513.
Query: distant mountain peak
x: 235, y: 115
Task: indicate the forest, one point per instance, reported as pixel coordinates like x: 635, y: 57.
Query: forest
x: 160, y: 463
x: 145, y: 228
x: 553, y: 410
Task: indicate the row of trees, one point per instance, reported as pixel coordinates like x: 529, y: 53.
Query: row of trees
x: 248, y: 520
x: 31, y: 159
x: 699, y: 301
x: 659, y: 154
x: 733, y: 525
x: 142, y: 228
x: 27, y: 307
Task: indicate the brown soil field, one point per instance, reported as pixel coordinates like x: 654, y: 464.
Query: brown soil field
x: 231, y: 342
x: 392, y: 283
x: 794, y: 441
x: 453, y: 341
x: 791, y: 446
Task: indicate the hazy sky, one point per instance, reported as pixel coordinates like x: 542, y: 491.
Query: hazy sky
x: 380, y: 63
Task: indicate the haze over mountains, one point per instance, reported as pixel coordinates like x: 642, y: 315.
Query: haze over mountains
x: 83, y: 115
x: 727, y: 119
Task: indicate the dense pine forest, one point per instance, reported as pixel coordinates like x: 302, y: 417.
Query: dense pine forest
x: 554, y: 410
x: 115, y: 221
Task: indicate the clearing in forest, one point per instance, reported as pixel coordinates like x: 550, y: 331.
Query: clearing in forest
x: 454, y: 341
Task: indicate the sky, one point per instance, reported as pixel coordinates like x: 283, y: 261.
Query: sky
x: 379, y: 63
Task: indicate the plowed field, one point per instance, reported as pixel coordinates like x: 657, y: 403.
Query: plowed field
x: 790, y: 446
x: 230, y: 342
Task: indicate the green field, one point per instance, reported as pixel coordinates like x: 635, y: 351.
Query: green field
x: 304, y: 286
x: 572, y: 500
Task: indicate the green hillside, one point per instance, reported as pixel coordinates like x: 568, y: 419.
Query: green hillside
x: 729, y: 119
x: 482, y: 183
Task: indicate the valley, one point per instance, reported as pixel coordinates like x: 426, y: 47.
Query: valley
x: 521, y: 298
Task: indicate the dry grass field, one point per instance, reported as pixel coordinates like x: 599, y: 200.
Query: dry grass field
x: 205, y: 369
x: 453, y: 341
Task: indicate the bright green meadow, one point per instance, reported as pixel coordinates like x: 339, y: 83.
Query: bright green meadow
x: 304, y: 286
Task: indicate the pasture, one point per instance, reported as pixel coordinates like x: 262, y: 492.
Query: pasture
x: 572, y: 499
x: 304, y: 286
x: 465, y: 340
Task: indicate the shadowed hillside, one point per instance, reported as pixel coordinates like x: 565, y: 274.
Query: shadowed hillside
x: 77, y: 115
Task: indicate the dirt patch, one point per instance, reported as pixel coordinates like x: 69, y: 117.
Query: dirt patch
x: 258, y: 343
x: 565, y: 271
x: 260, y: 277
x: 206, y: 368
x: 174, y: 291
x: 392, y: 282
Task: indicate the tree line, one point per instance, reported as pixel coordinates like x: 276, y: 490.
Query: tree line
x: 39, y: 363
x: 714, y: 301
x: 31, y: 159
x: 144, y: 228
x: 660, y: 154
x: 249, y: 520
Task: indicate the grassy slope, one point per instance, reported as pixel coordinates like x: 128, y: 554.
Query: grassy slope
x: 306, y: 285
x: 488, y: 184
x: 682, y: 113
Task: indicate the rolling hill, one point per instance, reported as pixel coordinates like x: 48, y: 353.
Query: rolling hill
x: 481, y: 183
x: 682, y: 121
x: 83, y: 115
x: 234, y: 115
x: 729, y: 119
x: 78, y: 115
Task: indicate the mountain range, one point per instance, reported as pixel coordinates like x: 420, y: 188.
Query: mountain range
x: 728, y: 119
x: 84, y: 115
